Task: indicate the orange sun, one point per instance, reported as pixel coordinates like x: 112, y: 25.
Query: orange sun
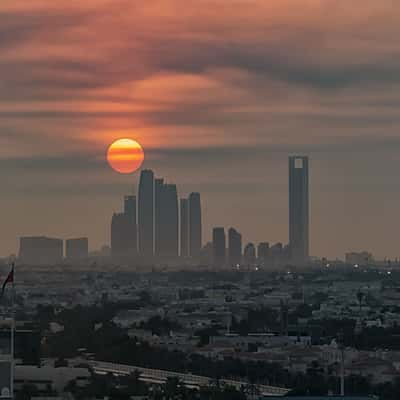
x: 125, y: 156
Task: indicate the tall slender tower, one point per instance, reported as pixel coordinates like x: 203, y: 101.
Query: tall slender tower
x: 171, y: 225
x: 146, y: 213
x: 184, y: 228
x: 298, y: 209
x: 194, y: 224
x: 130, y: 212
x: 158, y: 214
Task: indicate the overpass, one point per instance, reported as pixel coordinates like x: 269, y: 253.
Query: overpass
x: 196, y: 381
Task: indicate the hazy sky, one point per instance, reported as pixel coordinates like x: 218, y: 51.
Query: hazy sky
x: 219, y: 93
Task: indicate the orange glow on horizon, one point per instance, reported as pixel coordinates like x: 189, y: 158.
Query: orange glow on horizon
x: 125, y: 156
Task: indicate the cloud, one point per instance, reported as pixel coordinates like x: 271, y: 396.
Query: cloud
x: 219, y: 93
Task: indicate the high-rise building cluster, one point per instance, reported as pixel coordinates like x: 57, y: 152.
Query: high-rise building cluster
x: 296, y: 252
x: 157, y: 224
x: 233, y: 254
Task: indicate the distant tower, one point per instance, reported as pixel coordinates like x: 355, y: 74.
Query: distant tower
x: 249, y: 254
x: 263, y: 252
x: 234, y: 247
x: 298, y: 209
x: 276, y: 255
x: 130, y: 212
x: 120, y: 235
x: 219, y: 247
x: 184, y: 228
x: 146, y: 213
x: 166, y: 219
x: 170, y: 226
x: 194, y: 224
x: 158, y: 214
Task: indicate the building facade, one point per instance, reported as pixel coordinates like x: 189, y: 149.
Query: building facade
x: 146, y: 213
x: 40, y: 250
x: 249, y: 254
x: 219, y: 247
x: 184, y: 227
x: 130, y: 210
x: 234, y: 247
x: 263, y: 253
x: 77, y: 249
x: 159, y: 213
x: 120, y: 236
x: 195, y: 225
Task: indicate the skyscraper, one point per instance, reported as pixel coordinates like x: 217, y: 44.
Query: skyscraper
x: 194, y: 224
x: 184, y: 206
x: 146, y: 213
x: 166, y: 216
x: 219, y: 247
x: 120, y: 235
x: 158, y: 211
x: 234, y: 247
x: 298, y: 209
x: 171, y: 225
x: 249, y: 254
x: 263, y: 252
x: 276, y: 255
x: 130, y: 212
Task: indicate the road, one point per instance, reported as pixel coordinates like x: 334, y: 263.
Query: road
x: 160, y: 376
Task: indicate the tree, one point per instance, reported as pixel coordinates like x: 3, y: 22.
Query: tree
x: 360, y: 298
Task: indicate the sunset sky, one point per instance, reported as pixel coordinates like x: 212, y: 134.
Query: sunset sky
x: 219, y: 93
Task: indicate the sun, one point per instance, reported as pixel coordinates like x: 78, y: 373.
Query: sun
x: 125, y: 156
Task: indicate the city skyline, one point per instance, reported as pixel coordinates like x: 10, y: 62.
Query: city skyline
x: 213, y: 105
x: 199, y: 199
x: 158, y: 224
x: 157, y: 227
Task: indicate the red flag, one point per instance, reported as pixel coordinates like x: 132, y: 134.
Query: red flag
x: 9, y: 279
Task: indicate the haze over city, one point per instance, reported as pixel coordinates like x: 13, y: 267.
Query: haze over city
x: 217, y: 110
x: 199, y: 200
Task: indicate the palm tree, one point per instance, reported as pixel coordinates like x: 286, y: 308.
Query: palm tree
x: 360, y: 297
